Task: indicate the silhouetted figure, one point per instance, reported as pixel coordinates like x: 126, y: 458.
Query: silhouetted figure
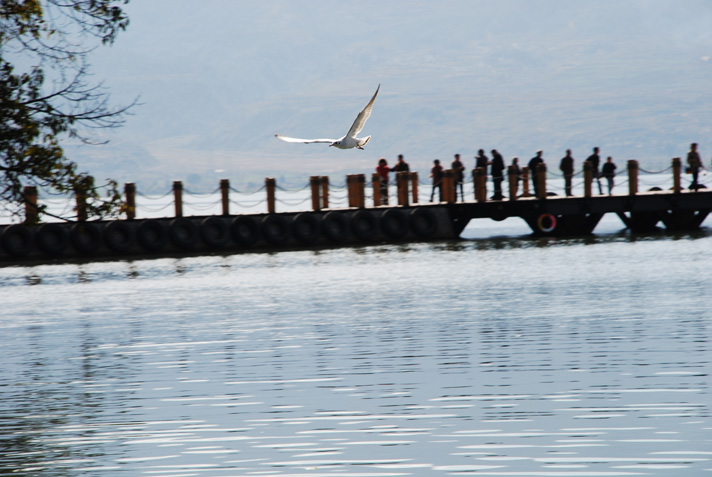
x: 517, y: 169
x: 436, y: 173
x: 497, y: 171
x: 567, y: 168
x: 609, y: 172
x: 401, y: 165
x: 481, y: 160
x: 533, y: 163
x: 383, y: 171
x: 694, y: 164
x: 595, y: 161
x: 459, y: 176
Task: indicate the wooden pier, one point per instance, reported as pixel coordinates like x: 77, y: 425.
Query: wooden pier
x: 356, y: 224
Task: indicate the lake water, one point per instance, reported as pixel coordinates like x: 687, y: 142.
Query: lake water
x: 495, y: 355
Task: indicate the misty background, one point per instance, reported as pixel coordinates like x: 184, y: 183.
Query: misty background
x: 217, y: 79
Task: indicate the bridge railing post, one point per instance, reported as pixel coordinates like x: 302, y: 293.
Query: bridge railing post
x: 449, y: 186
x: 178, y: 197
x: 130, y: 192
x: 587, y: 179
x: 270, y: 186
x: 513, y: 182
x: 632, y: 177
x: 225, y: 196
x: 325, y: 192
x: 402, y: 180
x: 30, y: 195
x: 525, y: 182
x: 80, y: 197
x: 315, y: 183
x: 676, y: 170
x: 541, y: 180
x: 414, y: 186
x: 376, y: 186
x: 480, y: 184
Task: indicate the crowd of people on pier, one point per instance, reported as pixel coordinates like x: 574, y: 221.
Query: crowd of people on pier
x: 497, y: 168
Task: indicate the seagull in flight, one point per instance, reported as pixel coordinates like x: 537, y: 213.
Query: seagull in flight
x: 350, y: 140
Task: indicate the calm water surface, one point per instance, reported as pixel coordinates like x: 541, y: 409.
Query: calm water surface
x: 488, y: 356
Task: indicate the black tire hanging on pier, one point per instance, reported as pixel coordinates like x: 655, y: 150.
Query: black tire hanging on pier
x: 245, y: 231
x: 335, y: 226
x: 183, y: 233
x: 364, y: 225
x: 306, y: 227
x: 423, y: 222
x: 17, y: 240
x: 152, y: 235
x: 52, y: 239
x: 275, y: 229
x: 119, y: 236
x: 85, y: 237
x: 394, y: 223
x: 215, y: 232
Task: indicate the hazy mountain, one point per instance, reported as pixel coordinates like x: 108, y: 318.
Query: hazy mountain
x: 217, y: 79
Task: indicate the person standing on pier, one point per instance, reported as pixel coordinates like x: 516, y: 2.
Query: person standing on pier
x: 517, y: 169
x: 481, y: 160
x: 533, y: 163
x: 694, y: 164
x: 401, y: 165
x: 436, y: 173
x: 595, y: 161
x: 497, y: 170
x: 609, y: 172
x: 383, y: 171
x: 567, y: 168
x: 459, y: 176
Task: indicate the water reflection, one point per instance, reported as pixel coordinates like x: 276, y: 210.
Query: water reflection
x: 416, y: 360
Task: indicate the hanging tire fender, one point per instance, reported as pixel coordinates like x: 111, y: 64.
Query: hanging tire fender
x: 546, y: 223
x: 183, y: 233
x: 245, y: 230
x: 119, y: 236
x: 152, y: 235
x: 306, y: 227
x: 364, y: 225
x: 275, y: 229
x: 214, y: 231
x: 335, y: 226
x: 85, y: 237
x: 394, y: 223
x: 423, y: 222
x: 52, y: 239
x: 17, y: 240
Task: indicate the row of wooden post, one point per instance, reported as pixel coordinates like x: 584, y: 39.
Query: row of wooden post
x: 406, y: 185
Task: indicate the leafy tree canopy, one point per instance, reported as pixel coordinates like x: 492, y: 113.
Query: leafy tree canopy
x: 45, y: 96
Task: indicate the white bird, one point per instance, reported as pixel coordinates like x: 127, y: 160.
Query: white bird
x: 350, y: 140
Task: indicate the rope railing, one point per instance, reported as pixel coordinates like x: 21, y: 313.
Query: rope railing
x: 325, y: 195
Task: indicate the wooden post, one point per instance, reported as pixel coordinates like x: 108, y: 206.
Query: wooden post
x: 130, y: 192
x: 360, y: 191
x: 351, y: 189
x: 632, y: 177
x: 178, y: 197
x: 225, y: 195
x: 402, y: 179
x: 315, y: 182
x: 587, y: 179
x: 449, y: 186
x: 676, y: 170
x: 325, y: 192
x: 474, y: 182
x: 513, y: 180
x: 541, y: 180
x: 481, y: 184
x: 376, y: 185
x: 525, y: 182
x: 30, y: 195
x: 270, y: 186
x: 80, y: 196
x: 414, y: 186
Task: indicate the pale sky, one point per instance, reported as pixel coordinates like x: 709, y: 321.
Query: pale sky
x: 219, y: 78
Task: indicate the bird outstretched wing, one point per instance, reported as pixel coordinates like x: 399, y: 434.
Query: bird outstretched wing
x: 365, y: 113
x: 303, y: 141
